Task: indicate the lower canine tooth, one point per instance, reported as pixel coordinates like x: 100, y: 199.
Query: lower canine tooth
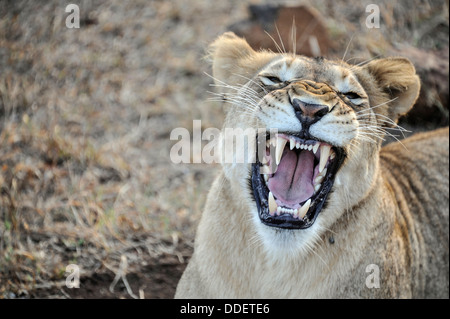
x: 272, y: 204
x: 304, y: 209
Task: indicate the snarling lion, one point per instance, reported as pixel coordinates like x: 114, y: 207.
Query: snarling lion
x: 326, y: 211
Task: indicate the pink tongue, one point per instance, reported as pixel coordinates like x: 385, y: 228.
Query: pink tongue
x: 292, y: 182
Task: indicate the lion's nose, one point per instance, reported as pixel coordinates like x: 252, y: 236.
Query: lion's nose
x: 308, y: 113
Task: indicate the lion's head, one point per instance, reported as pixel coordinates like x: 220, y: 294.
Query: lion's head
x: 330, y: 119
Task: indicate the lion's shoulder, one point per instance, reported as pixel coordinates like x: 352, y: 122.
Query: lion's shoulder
x: 426, y: 150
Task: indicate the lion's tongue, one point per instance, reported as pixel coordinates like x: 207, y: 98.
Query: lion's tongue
x: 292, y: 182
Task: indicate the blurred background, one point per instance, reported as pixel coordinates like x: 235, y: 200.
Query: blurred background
x: 86, y: 115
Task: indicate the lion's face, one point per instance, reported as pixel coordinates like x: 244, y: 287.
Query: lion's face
x: 329, y: 118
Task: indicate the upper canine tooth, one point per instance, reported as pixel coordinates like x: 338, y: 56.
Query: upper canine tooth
x: 291, y: 143
x: 304, y: 209
x: 316, y: 147
x: 281, y: 143
x: 264, y: 169
x: 264, y: 160
x: 272, y: 204
x: 324, y: 154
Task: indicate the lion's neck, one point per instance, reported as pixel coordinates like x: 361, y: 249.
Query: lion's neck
x: 247, y: 267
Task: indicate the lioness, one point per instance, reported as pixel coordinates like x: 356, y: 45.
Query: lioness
x: 326, y: 212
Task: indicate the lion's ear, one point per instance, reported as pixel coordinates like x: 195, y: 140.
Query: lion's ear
x: 234, y: 61
x: 396, y: 77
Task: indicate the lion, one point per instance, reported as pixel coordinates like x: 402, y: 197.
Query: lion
x: 326, y: 211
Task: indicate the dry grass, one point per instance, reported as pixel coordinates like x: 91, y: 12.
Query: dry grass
x: 85, y: 119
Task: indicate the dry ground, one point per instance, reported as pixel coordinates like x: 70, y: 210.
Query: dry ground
x: 85, y: 121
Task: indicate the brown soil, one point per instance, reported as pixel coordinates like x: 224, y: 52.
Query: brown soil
x: 156, y: 278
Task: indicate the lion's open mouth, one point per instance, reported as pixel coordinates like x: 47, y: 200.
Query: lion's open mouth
x: 292, y: 180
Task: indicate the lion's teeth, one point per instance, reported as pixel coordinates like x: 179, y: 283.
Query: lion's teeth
x: 278, y: 210
x: 291, y: 143
x: 266, y: 178
x: 317, y: 187
x: 316, y: 147
x: 297, y: 145
x: 304, y: 209
x: 324, y: 154
x: 272, y: 204
x: 281, y: 143
x: 319, y: 179
x: 264, y: 169
x: 332, y: 154
x: 285, y: 210
x: 273, y: 141
x: 264, y: 160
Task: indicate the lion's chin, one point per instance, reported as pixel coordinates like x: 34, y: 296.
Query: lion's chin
x: 292, y: 186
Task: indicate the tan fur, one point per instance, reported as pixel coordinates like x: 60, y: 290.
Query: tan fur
x: 389, y: 206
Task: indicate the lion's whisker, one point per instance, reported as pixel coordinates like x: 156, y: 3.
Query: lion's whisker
x: 280, y: 51
x: 374, y: 107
